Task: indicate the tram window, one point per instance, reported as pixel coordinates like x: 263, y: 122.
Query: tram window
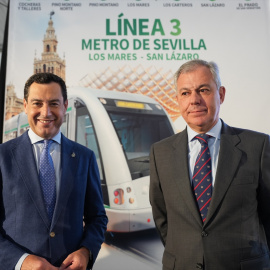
x: 137, y: 132
x: 86, y: 136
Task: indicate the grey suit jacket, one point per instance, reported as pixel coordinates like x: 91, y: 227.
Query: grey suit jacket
x: 236, y: 233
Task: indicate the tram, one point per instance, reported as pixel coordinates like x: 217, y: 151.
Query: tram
x: 120, y: 128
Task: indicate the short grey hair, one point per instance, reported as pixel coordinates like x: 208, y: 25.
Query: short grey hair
x: 193, y: 64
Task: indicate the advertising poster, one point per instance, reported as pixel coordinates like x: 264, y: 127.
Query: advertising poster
x: 134, y: 47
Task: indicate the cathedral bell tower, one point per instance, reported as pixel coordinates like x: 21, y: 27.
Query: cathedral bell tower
x: 50, y: 60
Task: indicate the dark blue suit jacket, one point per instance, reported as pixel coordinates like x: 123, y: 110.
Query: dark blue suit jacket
x: 24, y: 224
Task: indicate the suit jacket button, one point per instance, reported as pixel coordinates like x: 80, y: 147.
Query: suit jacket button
x: 52, y: 234
x: 199, y: 266
x: 204, y: 234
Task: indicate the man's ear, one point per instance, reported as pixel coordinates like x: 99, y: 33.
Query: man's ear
x: 66, y: 104
x: 222, y: 92
x: 25, y: 105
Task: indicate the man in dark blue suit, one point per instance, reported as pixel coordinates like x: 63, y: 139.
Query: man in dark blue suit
x: 31, y: 238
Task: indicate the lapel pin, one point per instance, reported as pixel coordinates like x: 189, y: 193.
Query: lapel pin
x: 73, y: 154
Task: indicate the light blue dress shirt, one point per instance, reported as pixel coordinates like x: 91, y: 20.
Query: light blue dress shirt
x: 55, y: 151
x: 194, y: 148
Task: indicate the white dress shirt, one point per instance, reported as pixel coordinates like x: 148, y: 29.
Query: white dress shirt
x: 55, y: 152
x: 194, y: 148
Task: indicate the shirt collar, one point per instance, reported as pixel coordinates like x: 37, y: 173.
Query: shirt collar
x: 214, y: 131
x: 34, y: 138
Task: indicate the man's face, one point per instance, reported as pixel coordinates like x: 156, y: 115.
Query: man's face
x: 199, y: 99
x: 45, y: 109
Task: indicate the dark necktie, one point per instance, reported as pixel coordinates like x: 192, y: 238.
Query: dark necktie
x: 202, y: 177
x: 47, y: 178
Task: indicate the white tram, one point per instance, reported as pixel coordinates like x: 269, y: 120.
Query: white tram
x: 120, y: 128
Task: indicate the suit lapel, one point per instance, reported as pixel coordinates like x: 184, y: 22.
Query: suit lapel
x: 24, y: 158
x: 229, y: 158
x: 69, y: 163
x: 181, y: 176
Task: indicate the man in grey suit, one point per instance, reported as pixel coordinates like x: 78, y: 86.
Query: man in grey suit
x: 224, y: 222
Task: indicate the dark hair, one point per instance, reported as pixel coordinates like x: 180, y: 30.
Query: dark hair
x: 45, y: 78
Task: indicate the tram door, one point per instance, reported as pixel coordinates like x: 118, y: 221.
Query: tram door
x: 85, y: 134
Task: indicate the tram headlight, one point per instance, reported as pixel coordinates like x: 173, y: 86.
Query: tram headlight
x: 118, y: 196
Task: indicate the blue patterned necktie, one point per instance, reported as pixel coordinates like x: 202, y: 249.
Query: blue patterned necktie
x: 47, y: 178
x: 202, y: 176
